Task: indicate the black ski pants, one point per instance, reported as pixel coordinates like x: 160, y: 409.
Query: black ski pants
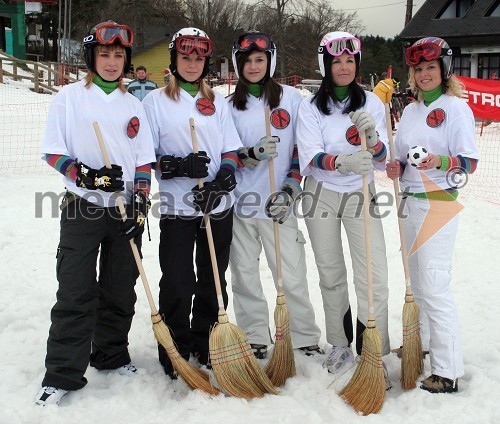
x: 179, y: 281
x: 92, y: 315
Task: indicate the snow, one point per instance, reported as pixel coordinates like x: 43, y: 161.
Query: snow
x: 30, y: 233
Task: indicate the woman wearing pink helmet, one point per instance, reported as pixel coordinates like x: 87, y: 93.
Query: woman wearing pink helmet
x: 333, y: 163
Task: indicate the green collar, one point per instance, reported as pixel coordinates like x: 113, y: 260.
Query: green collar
x: 190, y: 87
x: 432, y: 95
x: 254, y: 89
x: 107, y: 86
x: 341, y: 92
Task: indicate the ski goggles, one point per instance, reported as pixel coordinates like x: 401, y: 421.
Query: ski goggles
x: 256, y: 41
x: 338, y: 46
x: 187, y: 44
x: 425, y: 52
x: 111, y: 33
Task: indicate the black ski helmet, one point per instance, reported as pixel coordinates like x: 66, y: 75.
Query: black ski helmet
x: 108, y: 33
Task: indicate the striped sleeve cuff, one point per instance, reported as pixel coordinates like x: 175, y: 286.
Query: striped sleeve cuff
x: 142, y: 178
x: 229, y: 161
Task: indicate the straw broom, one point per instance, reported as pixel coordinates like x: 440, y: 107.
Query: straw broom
x: 281, y: 364
x: 194, y: 377
x: 412, y: 364
x: 365, y: 392
x: 233, y: 362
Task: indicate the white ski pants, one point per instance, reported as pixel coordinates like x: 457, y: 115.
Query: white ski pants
x: 250, y: 304
x: 430, y: 276
x: 325, y: 211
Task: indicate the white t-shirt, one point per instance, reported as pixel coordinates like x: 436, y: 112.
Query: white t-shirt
x: 124, y: 127
x: 253, y: 188
x: 335, y: 134
x: 216, y: 134
x: 445, y: 127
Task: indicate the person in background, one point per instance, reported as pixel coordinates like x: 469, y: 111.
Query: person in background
x: 254, y: 60
x: 384, y: 88
x: 166, y: 75
x: 441, y: 122
x: 183, y: 204
x: 330, y: 157
x: 141, y: 86
x: 92, y: 315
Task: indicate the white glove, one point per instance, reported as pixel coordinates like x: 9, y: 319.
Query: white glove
x: 279, y: 206
x: 359, y: 163
x: 248, y: 162
x: 265, y: 149
x: 365, y: 122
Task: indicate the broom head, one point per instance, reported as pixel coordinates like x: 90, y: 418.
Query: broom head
x: 281, y: 364
x: 412, y: 364
x: 194, y: 377
x: 365, y: 392
x: 235, y: 367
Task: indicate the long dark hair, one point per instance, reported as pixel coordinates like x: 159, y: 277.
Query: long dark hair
x: 271, y: 90
x: 357, y: 96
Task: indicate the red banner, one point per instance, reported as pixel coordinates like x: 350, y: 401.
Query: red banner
x: 483, y: 97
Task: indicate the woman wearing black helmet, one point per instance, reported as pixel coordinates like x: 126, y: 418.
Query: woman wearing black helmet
x: 91, y: 319
x: 442, y: 123
x: 254, y: 60
x: 331, y: 158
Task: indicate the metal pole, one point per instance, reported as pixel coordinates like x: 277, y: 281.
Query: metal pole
x: 69, y: 31
x: 59, y: 34
x: 65, y: 37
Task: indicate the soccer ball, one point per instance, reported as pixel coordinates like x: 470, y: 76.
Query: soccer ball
x: 416, y: 154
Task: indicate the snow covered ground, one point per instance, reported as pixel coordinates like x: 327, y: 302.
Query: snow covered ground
x: 29, y: 230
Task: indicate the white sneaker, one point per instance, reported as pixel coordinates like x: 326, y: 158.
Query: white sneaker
x: 49, y: 395
x: 129, y: 370
x: 339, y: 359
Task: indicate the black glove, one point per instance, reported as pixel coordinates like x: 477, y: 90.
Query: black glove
x: 207, y: 198
x: 137, y: 211
x: 193, y: 165
x: 104, y: 179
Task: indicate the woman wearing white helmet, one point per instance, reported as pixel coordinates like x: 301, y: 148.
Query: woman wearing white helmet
x: 441, y: 122
x: 254, y: 60
x: 331, y: 159
x: 177, y: 170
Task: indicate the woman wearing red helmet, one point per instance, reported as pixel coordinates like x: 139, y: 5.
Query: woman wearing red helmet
x: 93, y: 314
x: 442, y: 123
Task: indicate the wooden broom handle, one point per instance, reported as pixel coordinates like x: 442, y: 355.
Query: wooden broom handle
x: 402, y: 238
x: 206, y: 217
x: 277, y: 246
x: 123, y: 213
x: 368, y: 239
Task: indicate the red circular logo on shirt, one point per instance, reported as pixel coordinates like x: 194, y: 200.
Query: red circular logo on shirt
x: 352, y: 136
x: 205, y: 106
x: 280, y: 119
x: 435, y: 118
x: 133, y: 127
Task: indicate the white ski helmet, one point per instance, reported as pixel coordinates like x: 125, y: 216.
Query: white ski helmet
x: 346, y: 41
x: 253, y: 40
x: 203, y: 48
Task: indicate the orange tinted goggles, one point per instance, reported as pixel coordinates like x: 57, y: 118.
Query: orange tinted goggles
x: 113, y: 33
x: 187, y: 44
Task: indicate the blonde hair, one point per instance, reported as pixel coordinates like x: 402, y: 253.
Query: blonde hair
x: 89, y: 78
x: 453, y: 85
x: 173, y: 89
